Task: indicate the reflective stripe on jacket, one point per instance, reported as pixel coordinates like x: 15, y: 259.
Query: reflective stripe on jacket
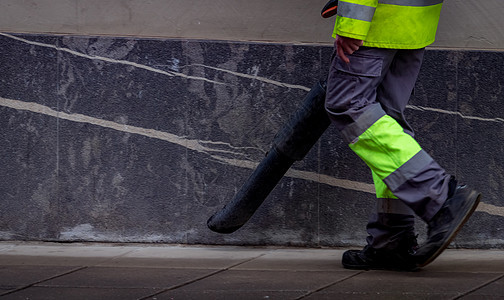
x: 397, y: 24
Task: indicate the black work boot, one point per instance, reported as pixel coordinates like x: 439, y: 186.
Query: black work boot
x: 399, y: 259
x: 445, y: 225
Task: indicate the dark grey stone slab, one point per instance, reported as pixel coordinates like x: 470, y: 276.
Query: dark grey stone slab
x: 29, y: 72
x: 29, y: 176
x: 479, y: 135
x: 28, y: 155
x: 437, y: 85
x: 141, y: 140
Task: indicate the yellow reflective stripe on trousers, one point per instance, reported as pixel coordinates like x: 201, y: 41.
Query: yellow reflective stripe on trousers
x: 385, y: 147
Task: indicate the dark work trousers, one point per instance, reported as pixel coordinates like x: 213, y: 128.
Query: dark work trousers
x: 375, y: 84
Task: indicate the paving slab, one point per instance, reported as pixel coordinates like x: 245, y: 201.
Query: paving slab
x: 16, y: 277
x: 186, y: 257
x: 125, y: 277
x: 50, y: 293
x: 296, y: 259
x: 390, y: 295
x: 262, y: 282
x: 494, y: 290
x: 228, y: 294
x: 24, y: 275
x: 484, y: 261
x: 388, y: 284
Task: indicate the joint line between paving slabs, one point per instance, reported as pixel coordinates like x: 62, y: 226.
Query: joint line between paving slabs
x: 478, y: 287
x: 42, y: 281
x: 328, y: 285
x: 200, y: 278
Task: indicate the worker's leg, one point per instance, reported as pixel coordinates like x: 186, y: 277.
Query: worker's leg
x: 394, y: 156
x: 391, y: 153
x: 391, y: 222
x: 353, y: 104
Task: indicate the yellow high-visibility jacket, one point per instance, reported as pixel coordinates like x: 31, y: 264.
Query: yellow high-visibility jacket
x: 396, y: 24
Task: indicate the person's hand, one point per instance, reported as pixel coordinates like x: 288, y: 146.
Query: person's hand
x: 345, y: 45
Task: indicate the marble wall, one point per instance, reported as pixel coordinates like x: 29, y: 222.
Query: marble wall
x: 141, y: 140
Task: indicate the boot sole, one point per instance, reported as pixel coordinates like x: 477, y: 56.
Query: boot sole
x: 380, y: 268
x: 450, y: 238
x: 367, y: 267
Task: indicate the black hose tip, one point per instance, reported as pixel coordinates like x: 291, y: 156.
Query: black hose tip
x: 217, y: 226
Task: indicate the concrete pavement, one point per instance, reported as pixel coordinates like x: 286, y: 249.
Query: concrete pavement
x: 138, y: 271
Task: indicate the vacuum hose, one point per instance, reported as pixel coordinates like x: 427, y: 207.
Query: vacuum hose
x: 291, y: 143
